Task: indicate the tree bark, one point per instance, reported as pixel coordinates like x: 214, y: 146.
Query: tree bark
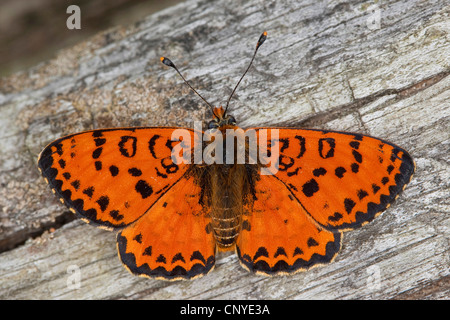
x: 379, y: 69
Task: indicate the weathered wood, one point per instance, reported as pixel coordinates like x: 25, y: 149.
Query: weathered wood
x: 324, y: 65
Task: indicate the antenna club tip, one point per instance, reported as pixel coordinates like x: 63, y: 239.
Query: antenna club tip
x: 261, y: 40
x: 167, y: 62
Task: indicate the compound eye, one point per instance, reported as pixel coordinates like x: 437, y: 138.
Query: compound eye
x: 213, y: 125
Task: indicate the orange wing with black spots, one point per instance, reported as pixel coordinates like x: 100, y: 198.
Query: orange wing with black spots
x: 278, y: 236
x: 175, y: 240
x: 321, y: 184
x: 112, y: 176
x: 342, y: 180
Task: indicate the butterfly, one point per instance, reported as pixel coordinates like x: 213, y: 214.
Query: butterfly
x: 173, y: 216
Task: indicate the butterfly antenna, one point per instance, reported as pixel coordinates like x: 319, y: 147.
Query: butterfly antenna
x: 261, y: 40
x: 169, y: 63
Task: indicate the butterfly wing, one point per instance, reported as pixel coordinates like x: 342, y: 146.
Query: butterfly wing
x: 342, y: 180
x: 174, y: 241
x: 321, y: 183
x: 278, y: 236
x: 112, y: 176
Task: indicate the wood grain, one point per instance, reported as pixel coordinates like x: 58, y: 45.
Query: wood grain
x: 325, y: 65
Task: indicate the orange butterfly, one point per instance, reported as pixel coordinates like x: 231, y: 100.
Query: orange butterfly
x: 174, y: 216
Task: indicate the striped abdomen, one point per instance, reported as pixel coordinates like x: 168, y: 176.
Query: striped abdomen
x: 227, y: 187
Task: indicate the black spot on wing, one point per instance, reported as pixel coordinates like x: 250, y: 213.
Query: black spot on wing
x: 297, y: 251
x: 310, y: 187
x: 62, y: 163
x: 144, y: 189
x: 209, y: 228
x: 319, y: 172
x: 326, y: 147
x: 151, y: 144
x: 355, y: 167
x: 285, y: 144
x: 169, y: 165
x: 159, y: 174
x: 354, y: 145
x: 349, y: 204
x: 280, y: 251
x: 113, y: 170
x: 161, y: 259
x: 293, y: 173
x: 115, y: 214
x: 103, y: 202
x: 59, y: 149
x: 98, y: 165
x: 335, y: 217
x: 312, y: 242
x: 394, y: 154
x: 284, y: 163
x: 135, y: 172
x: 302, y: 143
x: 357, y: 156
x: 362, y: 194
x: 97, y: 153
x: 147, y: 251
x: 138, y: 238
x: 76, y: 184
x: 89, y: 191
x: 261, y: 252
x: 339, y: 172
x: 178, y: 257
x: 99, y: 141
x: 196, y: 255
x: 375, y: 188
x: 246, y: 225
x: 127, y: 146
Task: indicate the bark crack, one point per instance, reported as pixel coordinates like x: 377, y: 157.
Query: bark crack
x: 343, y: 110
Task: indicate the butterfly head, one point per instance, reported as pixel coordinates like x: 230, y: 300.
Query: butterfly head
x: 220, y: 119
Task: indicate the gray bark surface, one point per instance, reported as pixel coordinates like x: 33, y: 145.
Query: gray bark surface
x: 328, y: 65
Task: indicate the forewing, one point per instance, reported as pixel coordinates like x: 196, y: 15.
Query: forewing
x: 342, y: 180
x: 112, y: 176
